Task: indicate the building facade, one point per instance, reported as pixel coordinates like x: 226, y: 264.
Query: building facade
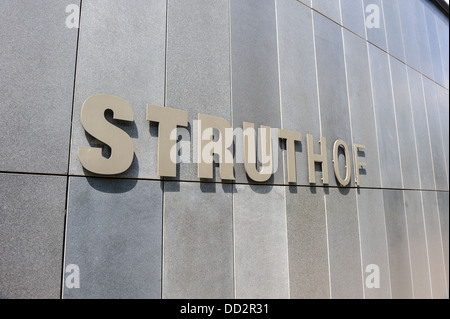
x: 370, y: 74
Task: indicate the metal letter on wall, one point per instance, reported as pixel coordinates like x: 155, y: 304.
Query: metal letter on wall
x: 207, y: 147
x: 348, y: 173
x: 266, y: 170
x: 291, y: 138
x: 317, y: 158
x: 169, y: 119
x: 358, y: 165
x: 94, y: 122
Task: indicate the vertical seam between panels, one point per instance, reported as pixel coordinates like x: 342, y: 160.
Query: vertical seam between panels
x: 420, y: 179
x: 320, y: 130
x: 352, y: 141
x: 418, y: 165
x: 317, y: 72
x: 379, y: 163
x: 234, y: 244
x: 426, y: 35
x: 435, y: 182
x: 401, y: 173
x: 440, y: 51
x: 284, y: 168
x: 328, y: 246
x: 163, y: 210
x: 385, y: 30
x: 432, y: 165
x: 165, y: 52
x: 400, y: 155
x: 163, y: 197
x: 232, y: 125
x: 438, y: 105
x: 69, y: 155
x: 442, y: 244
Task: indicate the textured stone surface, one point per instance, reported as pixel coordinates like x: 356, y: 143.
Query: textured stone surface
x: 122, y: 52
x: 418, y: 245
x: 372, y: 227
x: 198, y: 241
x: 307, y: 2
x: 361, y: 108
x: 426, y: 66
x: 443, y: 215
x: 37, y: 65
x: 308, y: 66
x: 430, y: 11
x: 31, y: 235
x: 307, y: 243
x: 394, y: 35
x: 443, y: 100
x: 377, y: 36
x: 398, y: 247
x: 443, y: 30
x: 298, y: 81
x: 434, y: 126
x: 407, y: 18
x: 405, y: 126
x: 439, y: 282
x: 255, y: 85
x: 344, y: 244
x: 114, y: 231
x: 385, y: 119
x: 198, y: 65
x: 421, y: 130
x: 329, y: 8
x: 353, y: 16
x: 260, y: 238
x: 334, y: 110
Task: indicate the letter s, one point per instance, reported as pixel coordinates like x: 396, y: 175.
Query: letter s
x: 94, y: 122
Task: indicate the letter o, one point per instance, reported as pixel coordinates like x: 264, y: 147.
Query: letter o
x: 348, y: 172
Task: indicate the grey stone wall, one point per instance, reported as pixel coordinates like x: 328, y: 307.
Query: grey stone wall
x: 307, y: 66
